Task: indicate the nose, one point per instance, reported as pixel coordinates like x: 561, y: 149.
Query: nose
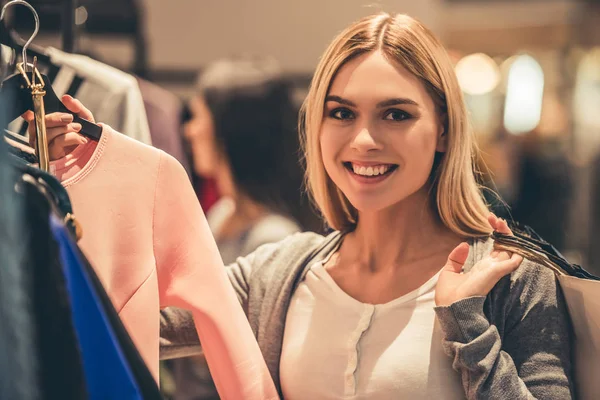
x: 365, y: 141
x: 192, y: 129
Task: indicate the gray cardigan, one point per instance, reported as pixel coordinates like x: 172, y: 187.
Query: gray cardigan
x: 513, y: 344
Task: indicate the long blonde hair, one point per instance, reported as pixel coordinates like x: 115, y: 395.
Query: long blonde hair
x: 402, y: 39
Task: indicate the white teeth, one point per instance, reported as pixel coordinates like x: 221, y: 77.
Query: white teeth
x: 370, y: 171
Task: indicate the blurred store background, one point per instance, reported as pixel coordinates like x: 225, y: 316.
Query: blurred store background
x: 530, y: 71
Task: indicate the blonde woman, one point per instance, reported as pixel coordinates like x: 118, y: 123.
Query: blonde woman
x: 407, y: 298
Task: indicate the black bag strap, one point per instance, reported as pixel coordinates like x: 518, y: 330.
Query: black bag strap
x: 529, y: 244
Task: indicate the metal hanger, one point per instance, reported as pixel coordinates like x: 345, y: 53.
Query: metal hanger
x: 35, y: 31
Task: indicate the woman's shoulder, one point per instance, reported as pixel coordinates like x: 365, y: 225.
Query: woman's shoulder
x: 480, y: 248
x: 277, y: 263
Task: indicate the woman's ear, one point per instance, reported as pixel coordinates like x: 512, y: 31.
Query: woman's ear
x: 442, y: 137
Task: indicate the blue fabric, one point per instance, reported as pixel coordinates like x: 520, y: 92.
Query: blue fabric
x: 106, y: 370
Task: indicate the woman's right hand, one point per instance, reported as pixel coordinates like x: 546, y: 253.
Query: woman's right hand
x: 62, y: 133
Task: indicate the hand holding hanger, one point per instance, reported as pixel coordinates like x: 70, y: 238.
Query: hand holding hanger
x: 63, y: 133
x: 454, y: 285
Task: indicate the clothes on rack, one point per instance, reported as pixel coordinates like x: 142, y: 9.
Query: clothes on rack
x: 20, y: 150
x: 82, y: 348
x: 18, y: 363
x: 79, y: 347
x: 151, y: 248
x: 119, y: 99
x: 144, y: 379
x: 107, y: 373
x: 112, y: 95
x: 62, y: 203
x: 59, y: 366
x: 83, y: 281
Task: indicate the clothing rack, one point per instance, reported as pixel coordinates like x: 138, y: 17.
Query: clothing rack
x: 63, y: 13
x: 121, y: 19
x: 68, y: 26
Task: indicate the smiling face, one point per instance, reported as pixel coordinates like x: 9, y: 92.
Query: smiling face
x: 380, y: 133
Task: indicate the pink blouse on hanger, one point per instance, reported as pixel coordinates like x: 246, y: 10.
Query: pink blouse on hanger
x: 147, y: 238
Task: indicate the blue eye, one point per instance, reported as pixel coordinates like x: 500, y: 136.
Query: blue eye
x: 396, y: 115
x: 342, y: 114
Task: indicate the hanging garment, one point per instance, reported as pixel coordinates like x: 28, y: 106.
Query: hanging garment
x: 140, y: 371
x: 105, y: 367
x: 63, y: 79
x: 59, y: 196
x: 151, y: 247
x: 18, y: 363
x: 72, y: 257
x: 60, y: 370
x: 112, y: 95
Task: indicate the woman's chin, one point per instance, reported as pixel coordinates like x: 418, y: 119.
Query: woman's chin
x: 369, y: 204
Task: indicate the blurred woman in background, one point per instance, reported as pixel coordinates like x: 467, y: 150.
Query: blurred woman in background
x: 242, y: 135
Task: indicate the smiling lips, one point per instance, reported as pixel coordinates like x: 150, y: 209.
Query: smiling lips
x: 370, y: 170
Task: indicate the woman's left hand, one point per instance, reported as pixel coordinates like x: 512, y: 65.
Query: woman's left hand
x: 454, y: 285
x: 62, y: 133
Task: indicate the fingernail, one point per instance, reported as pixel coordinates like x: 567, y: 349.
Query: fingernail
x: 66, y: 118
x: 77, y: 126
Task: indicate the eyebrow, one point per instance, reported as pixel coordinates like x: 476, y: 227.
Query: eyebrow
x: 385, y: 103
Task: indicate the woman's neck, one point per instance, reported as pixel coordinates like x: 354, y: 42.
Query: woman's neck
x: 397, y: 236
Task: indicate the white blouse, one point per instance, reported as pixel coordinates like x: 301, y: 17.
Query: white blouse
x: 335, y: 347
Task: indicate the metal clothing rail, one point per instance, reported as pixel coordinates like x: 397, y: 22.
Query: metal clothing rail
x: 65, y: 10
x: 68, y: 26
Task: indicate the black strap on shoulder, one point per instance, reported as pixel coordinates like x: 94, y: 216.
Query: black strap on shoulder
x: 528, y: 239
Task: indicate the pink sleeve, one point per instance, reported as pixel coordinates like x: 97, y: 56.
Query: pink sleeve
x: 191, y: 275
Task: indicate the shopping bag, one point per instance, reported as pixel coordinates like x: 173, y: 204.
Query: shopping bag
x: 583, y: 300
x: 582, y: 295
